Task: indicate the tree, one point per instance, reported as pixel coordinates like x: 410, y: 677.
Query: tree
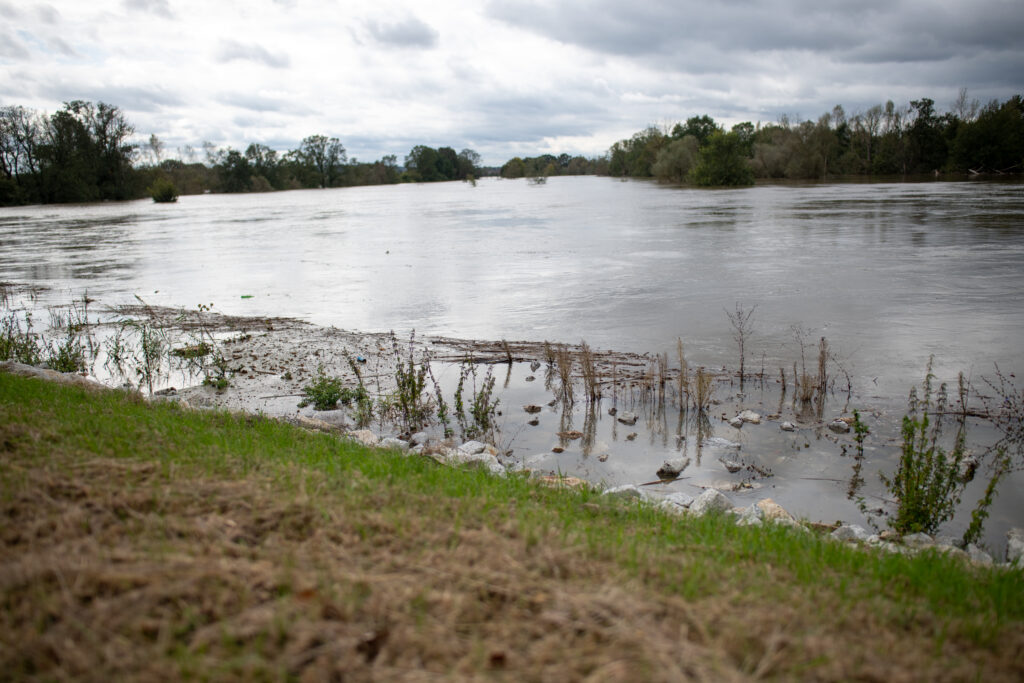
x: 326, y: 156
x: 674, y: 161
x: 722, y: 162
x: 700, y: 127
x: 421, y: 164
x: 469, y: 164
x: 235, y: 172
x: 264, y: 163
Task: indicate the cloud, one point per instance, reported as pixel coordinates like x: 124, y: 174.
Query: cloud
x: 410, y: 32
x: 47, y: 14
x: 231, y: 50
x: 160, y: 8
x: 136, y: 98
x: 261, y: 103
x: 12, y: 48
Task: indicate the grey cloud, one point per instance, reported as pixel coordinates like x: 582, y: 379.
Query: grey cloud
x: 409, y: 32
x: 12, y: 48
x: 231, y: 50
x: 58, y: 44
x: 47, y: 14
x: 260, y: 103
x: 127, y: 98
x: 160, y: 8
x: 8, y: 10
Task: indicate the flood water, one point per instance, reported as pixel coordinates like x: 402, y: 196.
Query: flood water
x: 891, y: 274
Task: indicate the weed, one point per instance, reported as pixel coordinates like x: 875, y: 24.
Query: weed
x: 702, y: 390
x: 927, y: 483
x: 563, y: 365
x: 411, y: 381
x: 475, y: 416
x: 743, y: 328
x: 589, y: 370
x: 19, y: 344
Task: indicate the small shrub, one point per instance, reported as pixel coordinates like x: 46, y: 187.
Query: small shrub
x: 927, y: 484
x: 324, y: 393
x: 163, y: 191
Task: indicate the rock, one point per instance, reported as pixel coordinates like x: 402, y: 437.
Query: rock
x: 626, y: 491
x: 750, y: 416
x: 1015, y: 545
x: 631, y: 436
x: 772, y: 511
x: 534, y: 366
x: 392, y: 442
x: 918, y: 540
x: 570, y: 435
x: 613, y: 411
x: 839, y: 426
x: 363, y: 436
x: 456, y: 456
x: 315, y: 424
x: 557, y: 449
x: 418, y: 438
x: 787, y: 427
x: 752, y: 515
x: 679, y: 499
x: 627, y: 418
x: 473, y: 447
x: 532, y: 408
x: 603, y: 457
x: 530, y: 378
x: 968, y: 466
x: 534, y: 422
x: 711, y: 500
x: 851, y: 532
x: 719, y: 442
x: 670, y: 469
x: 732, y: 465
x: 736, y: 422
x: 978, y: 556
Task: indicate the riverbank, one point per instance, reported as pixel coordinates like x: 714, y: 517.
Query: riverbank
x: 148, y: 541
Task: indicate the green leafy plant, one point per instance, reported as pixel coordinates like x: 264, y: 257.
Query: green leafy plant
x: 163, y: 191
x: 927, y: 483
x: 19, y: 343
x: 411, y: 381
x: 324, y: 393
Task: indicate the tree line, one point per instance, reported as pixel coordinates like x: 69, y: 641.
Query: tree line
x: 85, y: 153
x: 885, y: 140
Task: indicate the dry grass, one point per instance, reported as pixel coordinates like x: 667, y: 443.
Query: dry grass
x: 345, y: 565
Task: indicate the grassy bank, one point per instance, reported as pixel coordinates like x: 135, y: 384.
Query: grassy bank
x: 143, y: 541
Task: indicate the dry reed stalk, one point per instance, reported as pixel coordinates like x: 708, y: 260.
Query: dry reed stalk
x: 508, y: 351
x: 702, y: 390
x: 682, y: 380
x: 807, y: 388
x: 782, y: 374
x: 589, y: 370
x: 822, y: 366
x: 563, y: 363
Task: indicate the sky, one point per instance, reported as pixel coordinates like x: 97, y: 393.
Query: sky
x: 502, y: 77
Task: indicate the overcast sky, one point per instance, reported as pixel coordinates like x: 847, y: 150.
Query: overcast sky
x: 502, y: 77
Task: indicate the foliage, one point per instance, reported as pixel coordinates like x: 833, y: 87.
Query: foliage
x: 163, y: 191
x: 325, y: 392
x: 18, y: 343
x: 475, y: 415
x: 927, y: 483
x: 675, y: 161
x: 722, y: 162
x: 411, y: 382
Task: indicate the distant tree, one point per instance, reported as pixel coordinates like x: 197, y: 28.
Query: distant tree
x: 265, y: 164
x: 722, y: 162
x: 469, y: 164
x: 700, y: 127
x: 674, y: 161
x: 326, y: 156
x: 421, y: 164
x: 513, y: 168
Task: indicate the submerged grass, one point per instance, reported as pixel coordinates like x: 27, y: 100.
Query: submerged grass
x: 144, y: 541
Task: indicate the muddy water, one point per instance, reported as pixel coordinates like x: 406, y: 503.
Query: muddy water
x: 889, y: 273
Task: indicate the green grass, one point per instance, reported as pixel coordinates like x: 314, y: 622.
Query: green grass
x: 385, y: 497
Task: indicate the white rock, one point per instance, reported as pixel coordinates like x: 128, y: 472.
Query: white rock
x: 732, y: 465
x: 679, y: 499
x: 1015, y: 545
x: 752, y: 515
x: 839, y: 426
x: 918, y: 540
x: 711, y: 500
x: 787, y: 427
x: 364, y: 436
x: 473, y: 447
x: 750, y: 416
x: 978, y: 555
x: 392, y: 442
x: 418, y: 438
x: 627, y: 418
x: 670, y: 469
x: 851, y: 532
x: 455, y: 456
x: 628, y: 491
x: 736, y: 422
x: 774, y: 512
